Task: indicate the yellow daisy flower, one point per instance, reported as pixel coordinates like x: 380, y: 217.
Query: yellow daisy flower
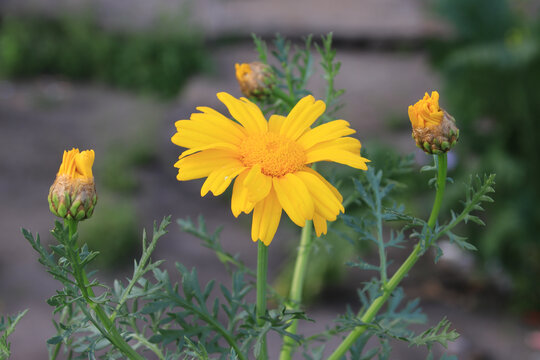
x: 269, y: 160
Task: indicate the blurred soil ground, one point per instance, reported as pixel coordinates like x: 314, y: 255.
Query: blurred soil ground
x: 42, y: 117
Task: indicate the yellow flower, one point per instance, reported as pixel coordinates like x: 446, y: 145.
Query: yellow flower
x: 254, y: 78
x: 77, y: 165
x: 73, y: 193
x: 434, y: 130
x: 426, y: 112
x: 269, y: 160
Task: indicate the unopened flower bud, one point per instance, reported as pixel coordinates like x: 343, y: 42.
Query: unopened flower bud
x: 434, y: 130
x: 73, y: 194
x: 255, y: 79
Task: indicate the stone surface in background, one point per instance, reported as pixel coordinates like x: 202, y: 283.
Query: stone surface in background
x: 402, y: 19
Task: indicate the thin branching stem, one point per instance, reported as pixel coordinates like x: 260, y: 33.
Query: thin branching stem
x: 380, y: 239
x: 403, y: 270
x: 287, y: 99
x: 148, y: 345
x: 441, y: 163
x: 109, y: 331
x: 467, y: 209
x: 262, y: 270
x: 206, y: 317
x: 141, y: 268
x: 297, y: 285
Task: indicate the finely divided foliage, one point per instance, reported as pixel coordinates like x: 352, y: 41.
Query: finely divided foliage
x: 174, y: 315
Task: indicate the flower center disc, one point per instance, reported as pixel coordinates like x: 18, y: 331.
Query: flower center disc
x: 276, y: 154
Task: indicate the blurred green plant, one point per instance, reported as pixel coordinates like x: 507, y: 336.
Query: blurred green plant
x: 155, y: 61
x: 490, y: 69
x: 118, y: 169
x: 119, y: 184
x: 119, y: 221
x: 113, y: 233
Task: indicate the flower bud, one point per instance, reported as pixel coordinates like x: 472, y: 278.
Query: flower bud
x: 73, y: 194
x: 434, y: 130
x: 255, y: 79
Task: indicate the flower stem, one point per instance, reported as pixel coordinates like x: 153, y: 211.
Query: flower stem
x: 109, y: 331
x: 280, y: 94
x: 149, y: 345
x: 262, y: 270
x: 297, y: 285
x: 380, y: 239
x: 403, y: 270
x: 441, y: 162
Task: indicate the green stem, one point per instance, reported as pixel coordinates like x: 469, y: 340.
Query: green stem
x: 380, y: 239
x: 441, y: 162
x: 297, y: 285
x: 149, y: 346
x: 288, y: 77
x: 349, y: 200
x: 403, y: 270
x: 214, y: 323
x: 58, y: 346
x: 110, y: 332
x: 56, y: 350
x: 262, y: 269
x: 280, y: 94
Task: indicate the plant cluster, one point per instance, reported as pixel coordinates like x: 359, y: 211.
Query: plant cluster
x: 153, y: 315
x: 154, y: 61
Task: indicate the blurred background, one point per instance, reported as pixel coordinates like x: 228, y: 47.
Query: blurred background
x: 114, y: 76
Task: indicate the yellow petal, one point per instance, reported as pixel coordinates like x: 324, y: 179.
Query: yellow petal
x: 239, y: 199
x: 326, y: 203
x: 219, y: 146
x: 219, y: 180
x: 342, y: 143
x: 326, y: 132
x: 335, y: 191
x: 84, y: 162
x: 294, y: 197
x: 187, y: 140
x: 245, y: 112
x: 219, y: 121
x: 413, y: 116
x: 275, y: 123
x: 340, y: 156
x: 68, y: 166
x: 203, y: 133
x: 266, y: 217
x: 201, y: 164
x: 302, y: 116
x: 345, y: 150
x: 320, y: 224
x: 257, y: 184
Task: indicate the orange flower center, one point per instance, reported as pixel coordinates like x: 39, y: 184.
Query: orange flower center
x: 275, y: 154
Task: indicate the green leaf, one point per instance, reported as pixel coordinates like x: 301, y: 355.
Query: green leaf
x: 8, y: 328
x: 440, y: 333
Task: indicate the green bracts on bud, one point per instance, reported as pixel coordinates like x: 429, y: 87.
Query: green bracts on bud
x: 72, y: 199
x: 437, y: 139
